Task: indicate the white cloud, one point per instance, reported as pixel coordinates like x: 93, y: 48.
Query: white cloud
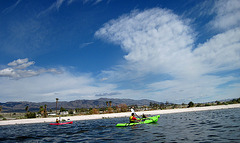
x: 227, y: 14
x: 221, y: 52
x: 47, y: 87
x: 108, y: 94
x: 21, y: 63
x: 180, y: 90
x: 18, y: 62
x: 7, y: 72
x: 159, y: 42
x: 103, y: 79
x: 156, y: 39
x: 18, y: 69
x: 42, y: 85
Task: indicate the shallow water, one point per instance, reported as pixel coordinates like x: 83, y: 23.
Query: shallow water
x: 203, y: 126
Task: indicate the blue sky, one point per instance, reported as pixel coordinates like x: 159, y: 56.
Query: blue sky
x: 175, y: 51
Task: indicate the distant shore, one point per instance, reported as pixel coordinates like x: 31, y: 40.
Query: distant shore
x: 117, y: 115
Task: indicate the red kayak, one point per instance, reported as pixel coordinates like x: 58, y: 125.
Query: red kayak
x: 61, y: 123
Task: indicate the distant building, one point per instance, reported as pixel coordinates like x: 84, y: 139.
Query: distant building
x: 64, y: 113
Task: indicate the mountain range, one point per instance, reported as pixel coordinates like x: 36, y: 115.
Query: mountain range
x: 98, y: 103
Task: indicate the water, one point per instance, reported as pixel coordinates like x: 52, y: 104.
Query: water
x: 204, y: 126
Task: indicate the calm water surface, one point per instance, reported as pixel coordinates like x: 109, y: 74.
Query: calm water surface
x: 204, y: 126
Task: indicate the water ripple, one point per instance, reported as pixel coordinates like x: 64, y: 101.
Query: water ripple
x: 205, y: 126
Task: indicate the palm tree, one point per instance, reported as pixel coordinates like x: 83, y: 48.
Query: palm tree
x: 110, y: 103
x: 107, y: 103
x: 45, y: 110
x: 41, y: 110
x: 26, y: 108
x: 56, y: 105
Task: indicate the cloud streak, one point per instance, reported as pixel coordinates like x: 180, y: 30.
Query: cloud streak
x: 85, y: 44
x: 55, y: 6
x: 108, y: 94
x: 9, y: 9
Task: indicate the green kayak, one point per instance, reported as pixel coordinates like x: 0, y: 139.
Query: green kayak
x: 148, y: 120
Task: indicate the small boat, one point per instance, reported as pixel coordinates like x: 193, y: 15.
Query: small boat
x: 63, y: 123
x: 148, y: 120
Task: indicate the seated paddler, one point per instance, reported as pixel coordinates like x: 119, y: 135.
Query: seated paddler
x: 133, y: 119
x: 144, y: 116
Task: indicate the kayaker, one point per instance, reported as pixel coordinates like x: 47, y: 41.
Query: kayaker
x: 132, y: 110
x: 144, y: 116
x: 133, y: 119
x: 57, y: 121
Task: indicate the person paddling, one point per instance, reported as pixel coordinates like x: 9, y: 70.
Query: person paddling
x: 144, y: 116
x: 133, y: 119
x: 58, y: 119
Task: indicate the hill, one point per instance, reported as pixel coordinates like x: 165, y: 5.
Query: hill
x: 98, y: 103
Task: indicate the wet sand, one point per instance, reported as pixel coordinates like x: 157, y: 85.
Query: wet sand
x: 117, y: 115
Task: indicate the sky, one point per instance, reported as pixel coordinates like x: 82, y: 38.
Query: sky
x: 163, y: 50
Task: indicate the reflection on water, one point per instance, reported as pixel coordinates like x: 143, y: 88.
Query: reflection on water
x: 204, y: 126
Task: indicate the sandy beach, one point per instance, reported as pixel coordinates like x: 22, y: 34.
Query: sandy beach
x: 117, y: 115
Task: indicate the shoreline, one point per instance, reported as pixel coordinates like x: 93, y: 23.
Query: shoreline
x: 117, y: 115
